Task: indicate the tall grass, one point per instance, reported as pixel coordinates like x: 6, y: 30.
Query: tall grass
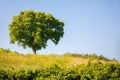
x: 30, y: 61
x: 62, y: 67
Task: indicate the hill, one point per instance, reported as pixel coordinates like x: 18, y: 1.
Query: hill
x: 56, y: 67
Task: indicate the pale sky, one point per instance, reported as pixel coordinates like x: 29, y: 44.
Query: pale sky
x: 91, y: 26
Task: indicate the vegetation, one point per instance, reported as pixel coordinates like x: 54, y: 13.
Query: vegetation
x: 14, y: 66
x: 34, y: 29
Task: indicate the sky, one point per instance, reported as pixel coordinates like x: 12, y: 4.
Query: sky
x: 91, y: 26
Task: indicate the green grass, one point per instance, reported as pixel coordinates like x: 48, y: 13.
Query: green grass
x: 62, y: 67
x: 31, y: 61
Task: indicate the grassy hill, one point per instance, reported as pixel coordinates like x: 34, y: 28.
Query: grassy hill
x: 56, y: 67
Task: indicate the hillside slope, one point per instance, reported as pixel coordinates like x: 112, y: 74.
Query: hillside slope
x: 63, y: 67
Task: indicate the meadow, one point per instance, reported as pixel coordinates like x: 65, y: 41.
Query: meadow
x: 68, y: 66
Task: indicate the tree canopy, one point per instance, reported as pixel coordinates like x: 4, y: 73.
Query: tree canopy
x: 34, y: 29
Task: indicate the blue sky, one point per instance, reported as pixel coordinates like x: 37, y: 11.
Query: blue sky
x: 91, y: 26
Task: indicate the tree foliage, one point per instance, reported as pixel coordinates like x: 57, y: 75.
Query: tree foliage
x: 34, y: 29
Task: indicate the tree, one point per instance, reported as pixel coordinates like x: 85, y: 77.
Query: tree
x: 34, y: 29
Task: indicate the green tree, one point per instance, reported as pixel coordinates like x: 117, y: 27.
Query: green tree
x: 34, y: 29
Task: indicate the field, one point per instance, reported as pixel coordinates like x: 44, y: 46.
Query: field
x: 15, y: 66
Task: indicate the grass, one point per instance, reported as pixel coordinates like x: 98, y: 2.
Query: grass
x: 68, y: 66
x: 29, y: 61
x: 13, y: 60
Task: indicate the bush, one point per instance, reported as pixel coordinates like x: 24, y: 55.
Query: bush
x: 7, y: 51
x: 95, y: 71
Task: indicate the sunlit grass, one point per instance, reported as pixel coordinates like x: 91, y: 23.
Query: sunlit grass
x: 17, y: 61
x: 30, y: 61
x: 68, y: 66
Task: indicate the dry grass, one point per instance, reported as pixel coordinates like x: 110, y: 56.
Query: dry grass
x: 30, y: 61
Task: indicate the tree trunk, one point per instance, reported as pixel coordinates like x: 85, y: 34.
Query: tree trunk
x: 34, y: 50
